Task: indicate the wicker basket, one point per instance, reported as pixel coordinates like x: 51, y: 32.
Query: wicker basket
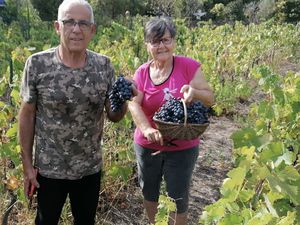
x: 181, y: 131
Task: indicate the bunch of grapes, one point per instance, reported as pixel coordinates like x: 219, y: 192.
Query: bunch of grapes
x: 173, y: 111
x: 121, y: 92
x: 197, y: 113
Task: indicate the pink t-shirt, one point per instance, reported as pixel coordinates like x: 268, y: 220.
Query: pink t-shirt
x: 183, y: 72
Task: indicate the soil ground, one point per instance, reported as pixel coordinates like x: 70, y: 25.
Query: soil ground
x: 212, y: 166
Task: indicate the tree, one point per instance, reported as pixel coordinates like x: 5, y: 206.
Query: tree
x: 288, y: 11
x: 19, y: 12
x: 9, y: 12
x: 227, y: 11
x: 158, y: 8
x: 47, y: 9
x: 107, y: 10
x: 266, y: 9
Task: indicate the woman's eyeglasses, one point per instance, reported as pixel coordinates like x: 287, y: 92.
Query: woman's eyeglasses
x: 165, y: 41
x: 71, y: 23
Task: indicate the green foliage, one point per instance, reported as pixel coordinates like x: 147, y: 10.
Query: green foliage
x: 264, y: 186
x: 9, y: 13
x: 267, y: 161
x: 107, y: 11
x: 229, y: 13
x: 47, y: 9
x: 119, y: 160
x: 288, y: 11
x: 22, y: 14
x: 165, y: 207
x: 126, y: 59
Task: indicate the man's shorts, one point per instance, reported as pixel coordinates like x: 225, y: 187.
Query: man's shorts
x: 175, y: 167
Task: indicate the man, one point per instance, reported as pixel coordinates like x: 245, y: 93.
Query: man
x: 64, y: 94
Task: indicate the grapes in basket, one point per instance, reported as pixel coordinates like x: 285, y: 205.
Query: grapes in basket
x: 121, y: 92
x: 173, y: 111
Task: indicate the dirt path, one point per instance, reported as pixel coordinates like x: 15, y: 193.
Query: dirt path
x: 213, y: 164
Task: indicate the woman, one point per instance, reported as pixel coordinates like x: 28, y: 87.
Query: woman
x: 165, y: 76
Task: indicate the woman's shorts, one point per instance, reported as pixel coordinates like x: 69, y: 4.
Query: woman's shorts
x: 175, y: 167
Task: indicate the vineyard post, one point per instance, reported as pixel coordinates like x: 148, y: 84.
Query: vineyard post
x: 11, y: 71
x: 28, y: 22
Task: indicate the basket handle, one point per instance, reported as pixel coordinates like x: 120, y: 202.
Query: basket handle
x: 185, y: 112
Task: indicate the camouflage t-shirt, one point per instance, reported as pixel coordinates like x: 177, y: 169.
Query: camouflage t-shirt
x: 69, y: 117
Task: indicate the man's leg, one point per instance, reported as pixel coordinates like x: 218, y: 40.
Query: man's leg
x: 84, y: 197
x: 51, y: 197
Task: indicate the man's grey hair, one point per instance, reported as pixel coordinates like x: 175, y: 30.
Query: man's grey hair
x: 66, y: 3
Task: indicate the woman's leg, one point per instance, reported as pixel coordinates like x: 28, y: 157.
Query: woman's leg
x: 178, y: 169
x: 150, y: 176
x: 178, y: 218
x: 151, y: 210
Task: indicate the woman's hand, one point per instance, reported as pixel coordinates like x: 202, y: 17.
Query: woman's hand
x: 153, y: 135
x: 188, y: 93
x: 198, y: 90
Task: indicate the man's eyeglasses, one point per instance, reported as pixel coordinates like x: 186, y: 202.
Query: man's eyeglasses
x: 165, y: 41
x: 71, y: 23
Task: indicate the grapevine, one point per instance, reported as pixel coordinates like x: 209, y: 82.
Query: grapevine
x: 228, y: 55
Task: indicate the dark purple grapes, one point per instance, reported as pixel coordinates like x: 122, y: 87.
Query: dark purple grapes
x: 121, y: 92
x: 173, y: 111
